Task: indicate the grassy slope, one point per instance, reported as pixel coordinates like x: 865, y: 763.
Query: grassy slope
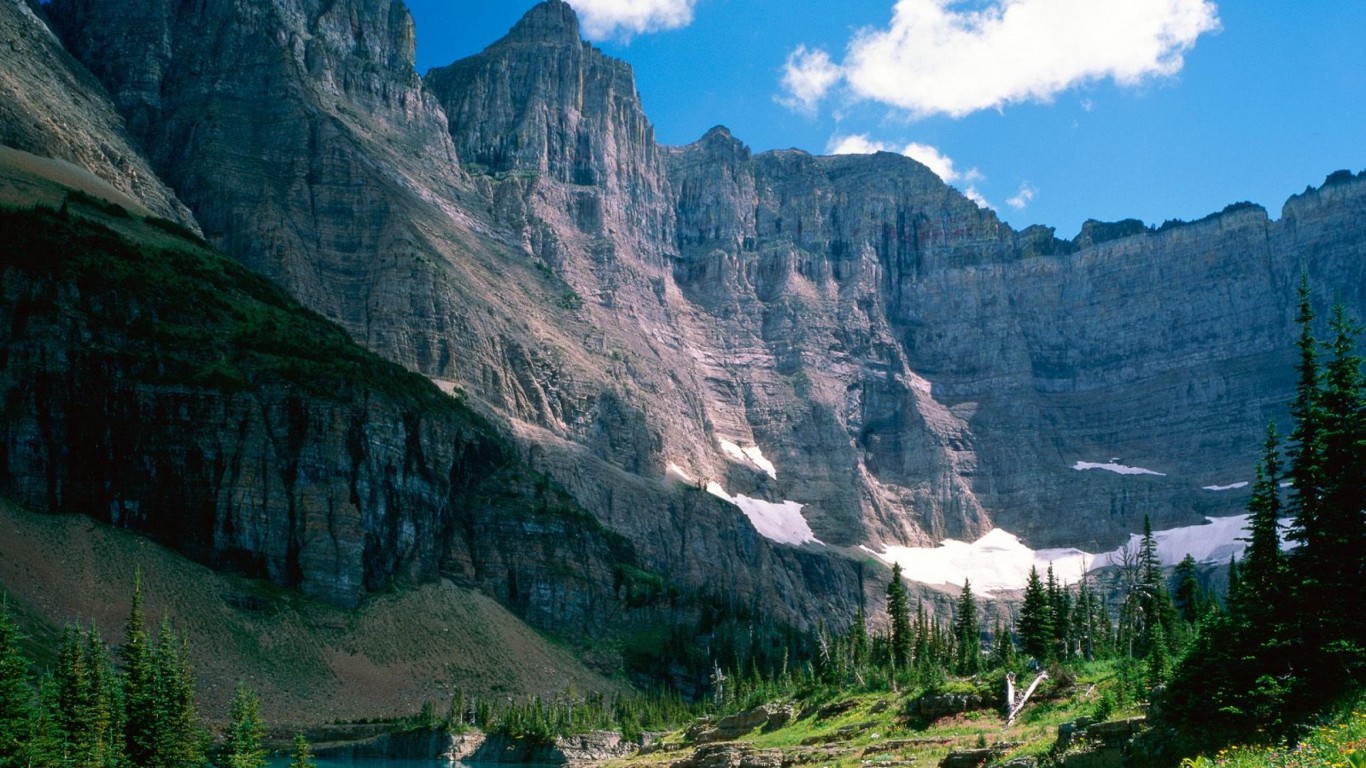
x: 310, y: 662
x: 875, y: 729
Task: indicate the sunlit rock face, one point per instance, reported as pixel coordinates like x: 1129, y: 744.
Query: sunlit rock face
x: 908, y: 367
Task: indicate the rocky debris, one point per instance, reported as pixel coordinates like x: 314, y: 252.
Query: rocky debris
x: 478, y: 747
x: 967, y: 758
x: 1071, y: 730
x: 595, y: 747
x: 935, y: 706
x: 1116, y: 732
x: 824, y: 755
x: 899, y: 745
x: 833, y: 709
x: 1097, y: 745
x: 731, y: 727
x: 732, y: 755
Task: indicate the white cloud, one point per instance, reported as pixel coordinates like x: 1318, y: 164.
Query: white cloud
x: 926, y: 155
x: 1023, y: 197
x: 972, y: 194
x: 954, y: 58
x: 807, y: 76
x: 602, y: 19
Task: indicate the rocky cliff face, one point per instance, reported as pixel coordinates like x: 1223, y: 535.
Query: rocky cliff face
x: 174, y: 393
x: 847, y: 333
x: 50, y: 106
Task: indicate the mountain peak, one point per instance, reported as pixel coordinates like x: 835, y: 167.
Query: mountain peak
x: 552, y: 21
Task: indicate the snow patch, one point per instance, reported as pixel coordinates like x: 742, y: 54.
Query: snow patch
x: 1229, y: 487
x: 757, y: 457
x: 1117, y: 468
x: 447, y: 386
x: 780, y: 522
x: 752, y: 456
x: 1219, y: 539
x: 679, y: 473
x: 997, y: 562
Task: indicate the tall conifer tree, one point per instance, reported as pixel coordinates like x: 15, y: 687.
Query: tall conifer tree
x: 967, y: 633
x: 1036, y: 625
x: 16, y: 697
x: 899, y: 610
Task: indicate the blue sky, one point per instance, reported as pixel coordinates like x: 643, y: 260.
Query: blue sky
x: 1052, y: 111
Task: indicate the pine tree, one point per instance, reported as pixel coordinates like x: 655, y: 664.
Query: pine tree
x: 1036, y: 626
x: 139, y: 683
x: 924, y: 657
x: 1188, y: 596
x: 245, y: 735
x: 177, y: 737
x: 1306, y: 449
x: 1083, y: 621
x: 104, y: 718
x: 967, y: 634
x: 303, y: 754
x: 1334, y: 553
x: 858, y: 639
x: 1159, y: 658
x: 899, y: 610
x: 1002, y: 646
x: 1263, y: 569
x: 16, y: 698
x: 46, y: 745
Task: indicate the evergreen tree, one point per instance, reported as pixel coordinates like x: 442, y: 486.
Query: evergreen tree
x: 16, y: 698
x: 1262, y: 570
x: 858, y: 639
x: 177, y: 737
x: 1188, y: 596
x: 924, y: 658
x: 1334, y: 547
x: 899, y: 610
x: 1036, y: 626
x: 46, y: 745
x: 1159, y: 658
x: 104, y: 718
x: 1306, y: 449
x: 1060, y: 611
x: 1002, y: 646
x: 1084, y: 621
x: 967, y: 634
x: 72, y: 689
x: 139, y: 683
x: 303, y: 754
x: 244, y: 738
